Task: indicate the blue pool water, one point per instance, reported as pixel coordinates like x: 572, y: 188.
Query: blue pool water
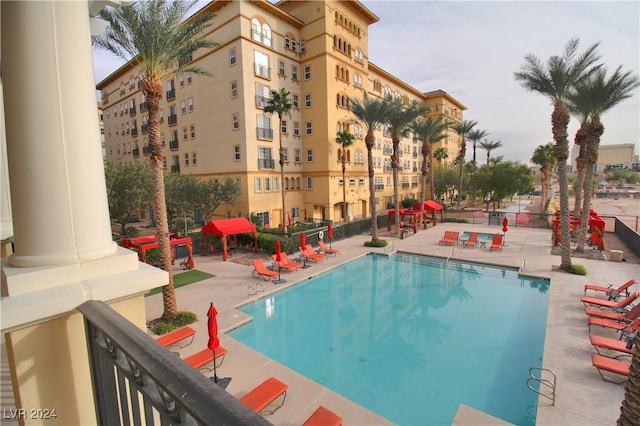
x: 410, y: 337
x: 481, y: 237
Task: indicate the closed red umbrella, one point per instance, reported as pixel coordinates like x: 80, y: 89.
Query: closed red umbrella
x: 505, y: 228
x: 303, y: 240
x: 289, y: 219
x: 214, y: 341
x: 278, y: 260
x: 330, y: 234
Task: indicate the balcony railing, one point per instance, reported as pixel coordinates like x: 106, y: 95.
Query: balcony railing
x: 261, y: 101
x: 263, y: 133
x: 172, y: 119
x: 136, y: 152
x: 145, y: 150
x: 135, y: 379
x: 266, y: 163
x: 175, y: 168
x: 405, y: 185
x: 173, y: 144
x: 171, y: 94
x: 132, y: 111
x: 378, y: 187
x: 134, y: 131
x: 262, y: 70
x: 145, y: 128
x: 143, y: 106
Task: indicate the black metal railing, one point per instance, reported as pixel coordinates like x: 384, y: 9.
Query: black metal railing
x: 138, y: 381
x: 171, y: 94
x: 264, y: 133
x: 172, y: 119
x: 132, y: 111
x: 134, y: 131
x: 145, y: 128
x: 266, y: 163
x: 143, y: 106
x: 173, y: 144
x: 175, y: 168
x: 136, y: 152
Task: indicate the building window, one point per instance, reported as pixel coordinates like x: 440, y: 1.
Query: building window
x: 296, y: 155
x: 361, y: 182
x: 183, y: 107
x: 185, y: 134
x: 192, y: 131
x: 264, y: 218
x: 189, y: 77
x: 294, y: 72
x: 238, y: 185
x: 281, y: 68
x: 295, y: 212
x: 296, y: 101
x: 258, y: 184
x: 267, y: 184
x: 296, y: 128
x: 309, y: 155
x: 186, y: 158
x: 308, y: 128
x: 190, y: 103
x: 181, y: 81
x: 236, y: 153
x: 194, y: 160
x: 263, y: 94
x: 283, y: 126
x: 307, y: 100
x: 285, y: 155
x: 352, y: 181
x: 309, y: 183
x: 235, y: 121
x: 340, y: 183
x: 276, y: 184
x: 307, y: 72
x: 261, y: 65
x: 232, y: 56
x: 234, y: 89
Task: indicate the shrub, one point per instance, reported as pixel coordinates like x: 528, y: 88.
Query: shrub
x: 131, y: 232
x: 378, y: 243
x: 409, y: 202
x: 161, y: 327
x: 456, y: 220
x: 577, y: 270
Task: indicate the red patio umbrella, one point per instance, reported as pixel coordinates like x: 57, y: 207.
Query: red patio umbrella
x: 289, y: 219
x: 505, y: 228
x: 330, y: 234
x: 278, y: 260
x: 303, y: 240
x: 214, y: 341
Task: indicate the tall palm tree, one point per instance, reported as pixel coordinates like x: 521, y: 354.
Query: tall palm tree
x: 556, y: 81
x: 462, y: 128
x: 370, y: 113
x: 594, y: 96
x: 440, y: 154
x: 399, y: 122
x: 281, y: 104
x: 581, y: 164
x: 344, y: 139
x: 474, y: 136
x: 429, y: 131
x: 544, y: 157
x: 157, y: 39
x: 489, y: 146
x: 630, y: 409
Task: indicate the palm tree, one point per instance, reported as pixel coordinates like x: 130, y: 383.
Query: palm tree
x: 463, y: 129
x: 474, y: 136
x: 154, y: 36
x: 556, y: 81
x: 489, y: 146
x: 429, y: 131
x: 345, y: 139
x: 371, y: 113
x: 281, y: 104
x: 544, y: 157
x: 581, y: 164
x: 594, y: 96
x: 398, y: 122
x: 440, y: 154
x: 630, y: 409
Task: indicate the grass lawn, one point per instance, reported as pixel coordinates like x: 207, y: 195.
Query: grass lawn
x: 182, y: 279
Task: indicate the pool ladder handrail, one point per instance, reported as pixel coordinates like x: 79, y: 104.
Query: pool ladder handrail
x: 546, y: 382
x: 252, y: 291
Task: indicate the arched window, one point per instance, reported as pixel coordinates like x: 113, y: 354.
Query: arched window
x: 266, y: 34
x: 256, y: 32
x: 287, y: 41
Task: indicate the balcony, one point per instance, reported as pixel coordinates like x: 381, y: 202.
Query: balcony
x: 145, y: 150
x: 136, y: 152
x: 387, y: 150
x: 132, y: 111
x: 262, y: 71
x: 173, y: 144
x: 134, y: 131
x: 145, y: 128
x: 261, y: 101
x: 266, y: 163
x: 143, y: 106
x: 172, y: 119
x: 263, y: 133
x: 171, y: 94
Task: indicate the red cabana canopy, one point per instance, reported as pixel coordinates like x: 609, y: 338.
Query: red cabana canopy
x: 226, y: 227
x: 433, y: 207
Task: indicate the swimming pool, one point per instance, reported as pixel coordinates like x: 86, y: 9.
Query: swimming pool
x: 410, y: 337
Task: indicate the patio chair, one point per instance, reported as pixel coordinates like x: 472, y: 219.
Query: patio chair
x: 612, y: 293
x: 450, y: 238
x: 323, y: 417
x: 472, y: 241
x: 203, y: 360
x: 600, y: 343
x: 609, y: 303
x: 613, y: 315
x: 263, y: 396
x: 310, y: 254
x: 611, y: 365
x: 497, y: 243
x: 177, y: 338
x: 326, y: 250
x: 626, y: 327
x: 285, y: 263
x: 261, y: 271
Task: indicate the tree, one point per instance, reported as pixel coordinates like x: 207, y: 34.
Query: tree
x: 556, y: 81
x: 463, y: 129
x: 474, y: 136
x: 445, y: 181
x: 430, y: 132
x: 490, y: 146
x: 156, y: 38
x: 398, y: 123
x: 440, y: 154
x: 593, y: 96
x: 543, y: 156
x: 371, y: 113
x: 128, y: 189
x: 181, y: 191
x: 214, y: 192
x: 630, y: 409
x: 344, y: 139
x: 281, y: 104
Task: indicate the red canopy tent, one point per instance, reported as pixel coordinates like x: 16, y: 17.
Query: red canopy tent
x: 189, y: 263
x: 226, y: 227
x: 414, y: 217
x: 432, y: 206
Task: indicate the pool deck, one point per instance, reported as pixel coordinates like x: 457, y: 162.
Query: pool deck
x: 582, y: 397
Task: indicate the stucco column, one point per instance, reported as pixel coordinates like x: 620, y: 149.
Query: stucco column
x: 58, y: 193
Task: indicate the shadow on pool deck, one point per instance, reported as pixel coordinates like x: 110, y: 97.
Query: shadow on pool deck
x: 582, y: 396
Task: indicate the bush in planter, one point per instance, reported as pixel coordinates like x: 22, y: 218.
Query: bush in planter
x: 577, y: 270
x: 161, y: 327
x: 379, y: 243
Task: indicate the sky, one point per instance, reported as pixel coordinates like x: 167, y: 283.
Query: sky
x: 471, y: 50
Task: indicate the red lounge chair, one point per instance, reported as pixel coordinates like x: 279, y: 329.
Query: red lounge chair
x: 450, y: 238
x: 609, y: 303
x: 326, y: 250
x: 285, y: 263
x: 323, y: 417
x: 626, y: 327
x: 497, y: 243
x: 200, y: 360
x: 310, y: 254
x: 176, y: 337
x: 612, y: 365
x: 613, y: 315
x: 472, y: 241
x: 612, y: 293
x: 600, y: 342
x: 262, y: 396
x: 261, y: 271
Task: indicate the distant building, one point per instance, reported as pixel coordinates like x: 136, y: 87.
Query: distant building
x: 618, y: 155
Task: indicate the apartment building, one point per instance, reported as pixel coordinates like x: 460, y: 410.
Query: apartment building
x: 615, y: 155
x: 215, y: 127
